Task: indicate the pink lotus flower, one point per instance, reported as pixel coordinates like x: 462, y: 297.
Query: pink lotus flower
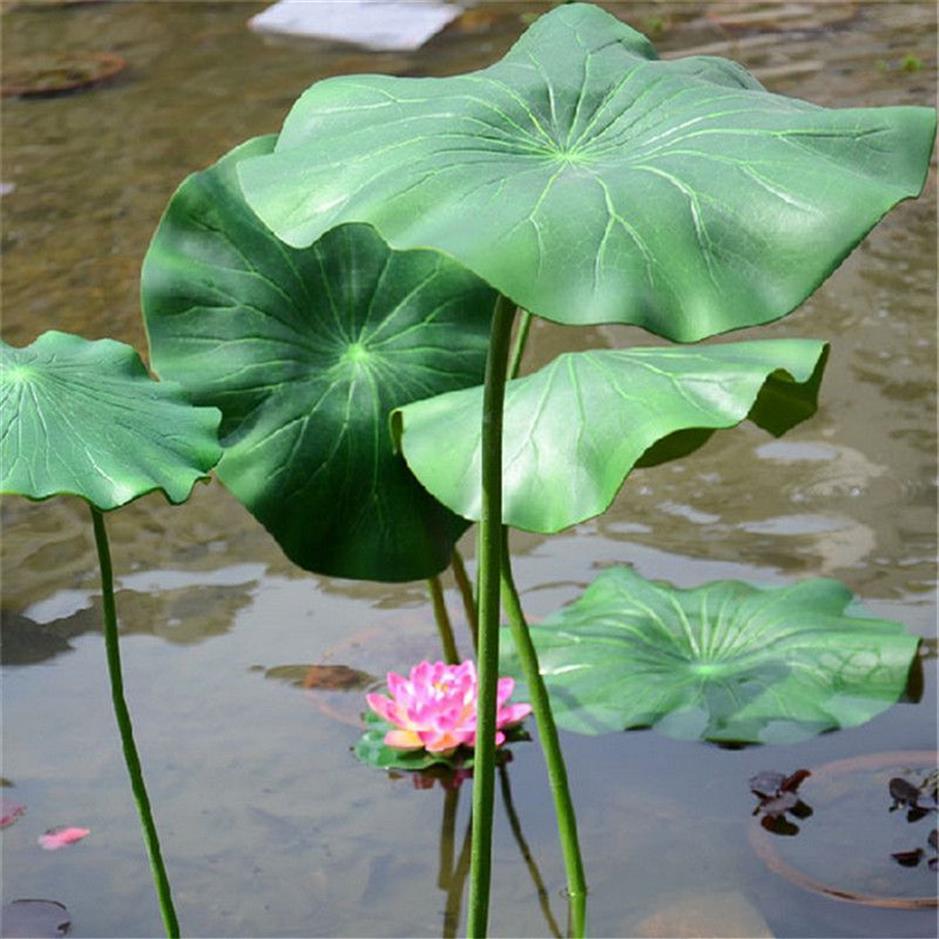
x: 56, y: 838
x: 435, y: 707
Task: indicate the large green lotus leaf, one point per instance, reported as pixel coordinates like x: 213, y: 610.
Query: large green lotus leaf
x: 574, y: 429
x: 306, y: 352
x: 84, y: 418
x: 725, y: 661
x: 590, y: 182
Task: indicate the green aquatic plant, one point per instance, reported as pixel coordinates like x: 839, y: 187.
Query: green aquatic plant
x: 588, y: 182
x: 80, y: 418
x: 306, y: 352
x: 727, y: 662
x: 579, y: 179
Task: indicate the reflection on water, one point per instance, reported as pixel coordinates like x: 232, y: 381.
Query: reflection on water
x: 269, y: 825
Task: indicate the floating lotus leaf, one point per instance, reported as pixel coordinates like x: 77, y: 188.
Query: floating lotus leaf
x: 83, y: 418
x: 306, y: 353
x: 591, y: 182
x: 575, y: 428
x: 371, y: 749
x: 724, y: 662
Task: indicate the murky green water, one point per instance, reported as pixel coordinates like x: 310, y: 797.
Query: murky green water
x: 269, y: 825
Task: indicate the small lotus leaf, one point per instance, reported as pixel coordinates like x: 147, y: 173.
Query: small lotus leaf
x: 371, y: 749
x: 724, y: 662
x: 591, y: 182
x: 575, y: 429
x: 306, y: 353
x: 83, y: 418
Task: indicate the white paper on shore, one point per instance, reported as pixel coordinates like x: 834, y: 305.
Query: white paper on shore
x: 393, y: 25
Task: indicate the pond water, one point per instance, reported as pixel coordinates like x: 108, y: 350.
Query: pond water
x: 269, y: 825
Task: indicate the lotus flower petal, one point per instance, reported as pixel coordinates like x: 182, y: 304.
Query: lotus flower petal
x: 56, y: 838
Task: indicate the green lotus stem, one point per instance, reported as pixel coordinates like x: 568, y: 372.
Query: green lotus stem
x: 466, y: 592
x: 521, y: 338
x: 489, y: 559
x: 527, y: 857
x: 160, y: 880
x: 548, y: 735
x: 442, y: 618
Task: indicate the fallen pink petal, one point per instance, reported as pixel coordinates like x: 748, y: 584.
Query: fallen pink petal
x: 56, y: 838
x: 10, y: 812
x: 434, y: 708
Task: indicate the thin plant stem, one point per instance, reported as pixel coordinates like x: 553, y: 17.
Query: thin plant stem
x: 521, y: 338
x: 527, y: 857
x: 466, y: 592
x: 489, y: 560
x: 548, y: 735
x: 442, y: 618
x: 160, y: 880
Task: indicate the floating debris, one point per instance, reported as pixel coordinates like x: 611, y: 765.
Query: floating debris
x: 59, y: 73
x: 56, y: 838
x: 10, y: 812
x: 402, y: 25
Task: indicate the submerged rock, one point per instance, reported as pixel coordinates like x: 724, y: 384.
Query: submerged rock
x: 705, y: 914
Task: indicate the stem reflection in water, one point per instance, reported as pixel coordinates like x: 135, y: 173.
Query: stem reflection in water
x: 451, y: 877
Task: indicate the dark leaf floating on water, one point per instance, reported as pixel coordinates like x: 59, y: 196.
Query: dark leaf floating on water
x: 37, y: 919
x: 777, y: 795
x: 908, y: 858
x: 904, y: 793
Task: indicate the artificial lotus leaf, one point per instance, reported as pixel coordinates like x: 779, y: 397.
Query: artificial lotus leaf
x: 84, y: 418
x: 306, y: 352
x: 591, y: 182
x: 574, y: 429
x: 726, y: 661
x: 370, y: 748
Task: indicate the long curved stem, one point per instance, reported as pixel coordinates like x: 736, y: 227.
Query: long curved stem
x: 442, y: 619
x: 548, y: 735
x: 122, y: 715
x: 466, y: 593
x: 489, y: 559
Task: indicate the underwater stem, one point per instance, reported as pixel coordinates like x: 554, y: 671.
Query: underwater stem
x: 442, y: 618
x: 161, y: 881
x: 489, y: 559
x: 466, y: 592
x: 548, y: 735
